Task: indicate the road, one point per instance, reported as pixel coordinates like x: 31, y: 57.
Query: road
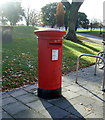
x: 92, y: 38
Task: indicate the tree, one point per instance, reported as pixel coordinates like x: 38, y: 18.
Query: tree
x: 66, y: 20
x: 12, y: 11
x: 48, y: 12
x: 82, y: 20
x: 66, y: 16
x: 3, y: 20
x: 60, y: 14
x: 73, y: 15
x: 34, y: 17
x: 27, y: 15
x: 94, y: 24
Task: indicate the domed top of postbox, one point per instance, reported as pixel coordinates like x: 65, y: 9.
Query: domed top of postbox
x: 50, y: 33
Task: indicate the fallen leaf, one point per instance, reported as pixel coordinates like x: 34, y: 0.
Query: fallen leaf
x: 88, y: 108
x: 81, y: 103
x: 6, y: 57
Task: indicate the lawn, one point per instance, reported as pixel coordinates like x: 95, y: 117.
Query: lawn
x: 19, y: 57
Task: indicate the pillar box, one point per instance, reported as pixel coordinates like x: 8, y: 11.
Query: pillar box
x: 49, y: 62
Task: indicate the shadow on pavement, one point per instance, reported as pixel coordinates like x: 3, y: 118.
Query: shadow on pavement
x: 103, y: 100
x: 62, y: 108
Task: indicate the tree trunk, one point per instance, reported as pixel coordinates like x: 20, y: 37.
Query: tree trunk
x: 52, y: 26
x: 27, y: 23
x: 73, y: 13
x: 71, y: 35
x: 65, y: 28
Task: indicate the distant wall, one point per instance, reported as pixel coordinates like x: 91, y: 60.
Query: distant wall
x: 6, y: 34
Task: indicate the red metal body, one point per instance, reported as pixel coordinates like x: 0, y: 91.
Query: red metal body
x: 49, y: 58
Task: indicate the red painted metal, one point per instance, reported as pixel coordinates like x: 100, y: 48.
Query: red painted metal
x: 49, y: 70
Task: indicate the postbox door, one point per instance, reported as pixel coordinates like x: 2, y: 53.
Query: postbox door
x: 55, y: 48
x: 50, y: 64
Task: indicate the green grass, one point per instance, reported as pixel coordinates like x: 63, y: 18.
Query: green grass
x: 87, y: 30
x: 81, y: 37
x: 72, y: 50
x: 93, y: 32
x: 19, y: 57
x: 42, y: 27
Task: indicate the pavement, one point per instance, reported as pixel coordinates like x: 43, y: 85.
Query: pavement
x: 92, y: 38
x: 79, y: 101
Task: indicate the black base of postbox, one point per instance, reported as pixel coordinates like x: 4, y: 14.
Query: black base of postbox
x: 49, y: 94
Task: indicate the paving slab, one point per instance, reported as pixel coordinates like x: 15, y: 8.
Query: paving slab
x: 99, y: 98
x: 56, y: 112
x: 62, y: 103
x: 30, y: 88
x: 83, y: 101
x: 27, y: 98
x: 5, y: 115
x: 79, y: 110
x: 97, y: 108
x: 0, y: 102
x: 70, y: 94
x: 15, y: 108
x: 74, y: 88
x: 28, y: 114
x: 46, y: 114
x: 94, y: 116
x: 39, y: 105
x: 18, y: 93
x: 5, y: 95
x: 8, y: 100
x: 0, y: 113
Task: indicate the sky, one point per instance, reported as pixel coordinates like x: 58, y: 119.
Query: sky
x: 92, y: 8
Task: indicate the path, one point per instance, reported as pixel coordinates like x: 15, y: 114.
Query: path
x: 92, y: 38
x: 85, y: 100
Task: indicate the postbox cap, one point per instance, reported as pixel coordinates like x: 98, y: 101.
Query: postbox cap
x: 50, y: 33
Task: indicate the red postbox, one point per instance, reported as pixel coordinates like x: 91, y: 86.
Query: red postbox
x: 49, y: 62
